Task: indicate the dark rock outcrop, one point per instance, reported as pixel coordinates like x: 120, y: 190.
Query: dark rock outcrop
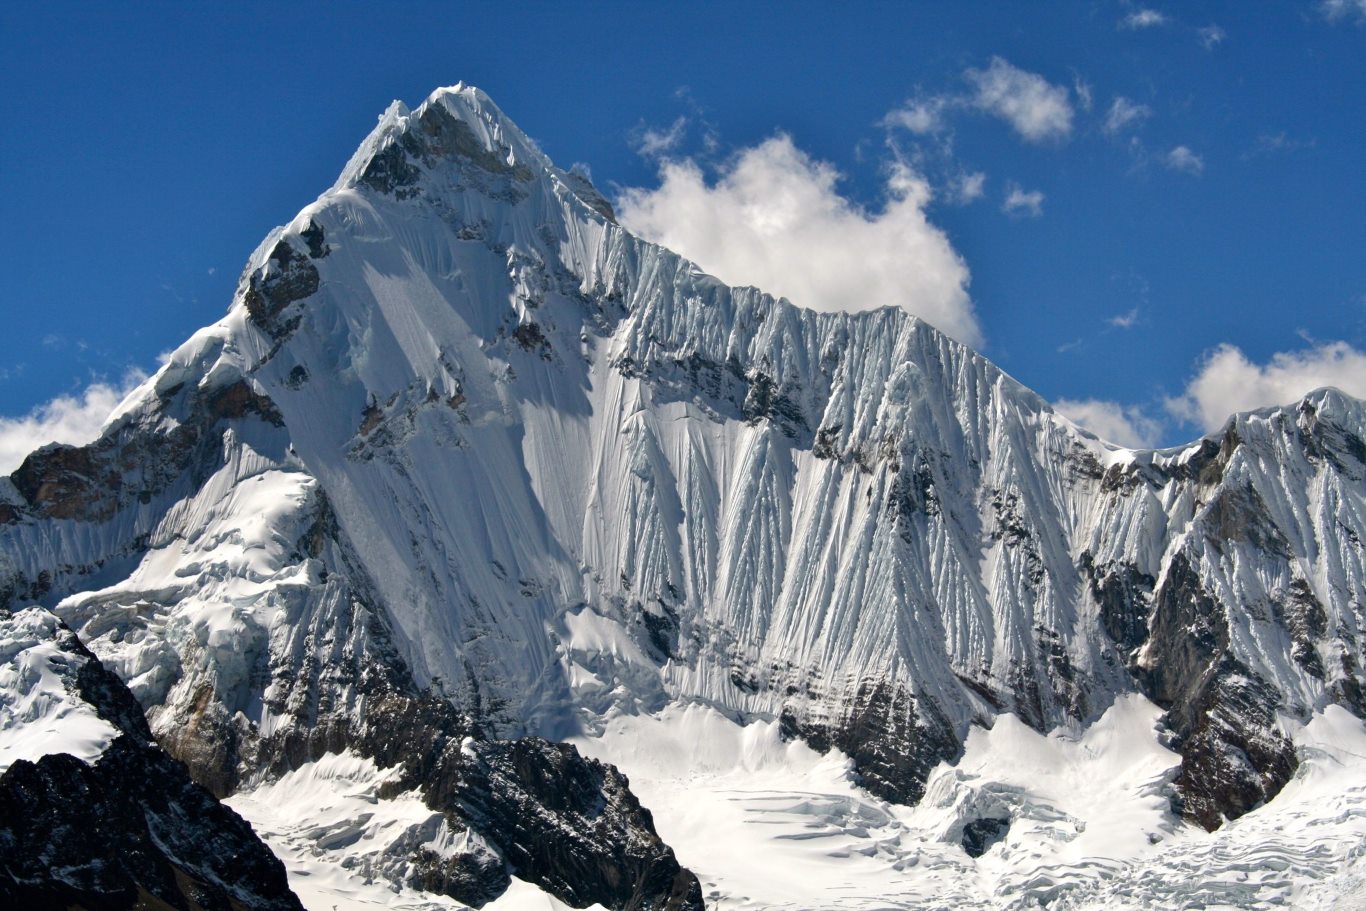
x: 883, y: 731
x: 130, y: 831
x: 1233, y: 757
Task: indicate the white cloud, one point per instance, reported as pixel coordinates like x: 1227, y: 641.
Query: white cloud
x: 967, y: 187
x: 1124, y: 320
x: 922, y: 116
x: 1037, y: 109
x: 1184, y: 160
x: 774, y: 218
x: 1143, y: 18
x: 1211, y: 36
x: 1338, y: 10
x: 1276, y: 143
x: 1018, y: 202
x: 1084, y: 93
x: 1124, y: 113
x: 1126, y: 425
x: 74, y: 419
x: 652, y: 142
x: 1227, y: 381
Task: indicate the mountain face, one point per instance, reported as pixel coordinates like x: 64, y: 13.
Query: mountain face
x: 92, y: 813
x: 468, y: 469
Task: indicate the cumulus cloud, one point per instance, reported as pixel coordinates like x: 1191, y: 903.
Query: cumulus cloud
x: 1143, y: 18
x: 775, y: 218
x: 1037, y: 109
x: 921, y: 116
x: 1124, y: 113
x: 1126, y: 425
x: 1227, y: 382
x: 74, y: 419
x: 1124, y: 320
x: 1184, y: 160
x: 1277, y: 143
x: 1022, y: 203
x: 967, y: 187
x: 1084, y: 93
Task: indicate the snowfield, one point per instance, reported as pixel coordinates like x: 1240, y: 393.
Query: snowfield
x: 769, y: 824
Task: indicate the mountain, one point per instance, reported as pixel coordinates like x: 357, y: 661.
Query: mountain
x: 467, y: 471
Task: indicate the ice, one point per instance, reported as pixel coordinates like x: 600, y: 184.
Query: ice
x: 347, y: 849
x: 771, y: 824
x: 41, y: 711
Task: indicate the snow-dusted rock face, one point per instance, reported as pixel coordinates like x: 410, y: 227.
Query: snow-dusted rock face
x: 465, y: 451
x: 92, y: 813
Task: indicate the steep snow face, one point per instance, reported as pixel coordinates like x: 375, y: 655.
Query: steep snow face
x: 460, y: 426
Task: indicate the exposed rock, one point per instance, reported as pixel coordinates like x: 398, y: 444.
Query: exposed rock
x: 980, y: 834
x: 892, y: 746
x: 286, y: 277
x: 1234, y: 757
x: 1124, y: 593
x: 131, y: 830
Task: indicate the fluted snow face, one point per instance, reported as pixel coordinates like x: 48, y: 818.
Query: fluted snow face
x: 581, y: 475
x: 634, y: 439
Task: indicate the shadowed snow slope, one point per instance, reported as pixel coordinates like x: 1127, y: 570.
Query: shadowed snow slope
x: 467, y: 465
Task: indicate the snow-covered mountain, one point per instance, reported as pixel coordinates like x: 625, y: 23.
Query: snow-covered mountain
x: 468, y: 470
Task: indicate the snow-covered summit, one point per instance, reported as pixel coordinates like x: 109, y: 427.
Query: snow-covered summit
x: 455, y: 127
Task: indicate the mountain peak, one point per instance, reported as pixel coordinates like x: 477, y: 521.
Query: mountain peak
x: 457, y: 138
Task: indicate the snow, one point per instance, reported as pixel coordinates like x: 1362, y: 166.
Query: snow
x: 517, y: 536
x: 40, y: 710
x: 768, y: 824
x: 347, y: 849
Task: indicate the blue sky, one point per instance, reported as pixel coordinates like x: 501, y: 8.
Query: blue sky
x: 1128, y: 192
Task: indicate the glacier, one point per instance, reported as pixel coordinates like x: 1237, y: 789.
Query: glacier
x: 468, y: 471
